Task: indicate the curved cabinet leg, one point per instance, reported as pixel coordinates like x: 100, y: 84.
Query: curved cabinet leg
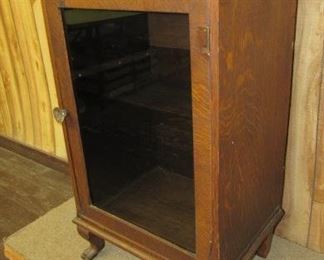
x: 265, y: 247
x: 96, y: 244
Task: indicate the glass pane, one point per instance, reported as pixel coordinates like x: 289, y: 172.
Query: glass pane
x: 131, y: 75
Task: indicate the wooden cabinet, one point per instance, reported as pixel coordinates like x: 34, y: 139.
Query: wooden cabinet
x: 176, y: 116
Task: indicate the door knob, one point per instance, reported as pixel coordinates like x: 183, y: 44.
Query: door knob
x: 60, y: 114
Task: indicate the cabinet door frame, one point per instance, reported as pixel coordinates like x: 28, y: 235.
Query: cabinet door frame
x: 204, y: 102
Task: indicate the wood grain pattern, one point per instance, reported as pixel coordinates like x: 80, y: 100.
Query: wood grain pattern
x: 301, y: 154
x: 254, y: 109
x: 254, y: 97
x: 5, y: 119
x: 59, y: 143
x: 12, y: 75
x: 171, y: 6
x: 316, y: 231
x: 27, y: 88
x: 111, y: 227
x: 162, y: 36
x: 22, y: 110
x: 319, y: 167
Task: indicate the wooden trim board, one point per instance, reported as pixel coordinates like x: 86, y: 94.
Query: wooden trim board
x: 36, y: 155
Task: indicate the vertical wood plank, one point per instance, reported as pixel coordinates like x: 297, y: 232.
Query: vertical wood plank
x: 300, y: 165
x: 27, y: 87
x: 21, y: 84
x: 253, y: 115
x: 316, y: 232
x: 10, y: 80
x: 59, y: 142
x: 319, y: 182
x: 5, y: 119
x: 32, y: 57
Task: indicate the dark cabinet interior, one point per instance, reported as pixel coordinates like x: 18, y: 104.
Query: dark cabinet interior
x: 132, y: 85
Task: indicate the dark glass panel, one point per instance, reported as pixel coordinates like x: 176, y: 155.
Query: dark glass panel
x: 132, y: 84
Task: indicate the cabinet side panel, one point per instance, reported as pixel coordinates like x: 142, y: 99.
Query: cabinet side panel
x: 256, y: 53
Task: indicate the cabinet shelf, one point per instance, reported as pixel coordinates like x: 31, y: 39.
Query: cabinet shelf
x: 162, y: 96
x: 160, y: 201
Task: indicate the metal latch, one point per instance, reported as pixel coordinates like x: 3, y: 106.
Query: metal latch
x: 205, y: 38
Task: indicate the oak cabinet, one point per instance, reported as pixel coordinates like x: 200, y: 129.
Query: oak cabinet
x: 175, y: 116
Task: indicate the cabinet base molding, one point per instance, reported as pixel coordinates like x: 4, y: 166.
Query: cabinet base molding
x: 123, y: 242
x: 96, y: 235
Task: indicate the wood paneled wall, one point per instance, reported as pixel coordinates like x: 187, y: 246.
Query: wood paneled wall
x: 304, y: 185
x: 27, y: 96
x: 27, y: 89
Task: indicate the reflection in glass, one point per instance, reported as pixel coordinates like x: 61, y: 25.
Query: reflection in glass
x: 131, y: 75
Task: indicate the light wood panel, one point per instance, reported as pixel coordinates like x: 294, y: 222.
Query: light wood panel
x: 59, y: 143
x: 27, y: 90
x: 5, y: 118
x: 302, y: 222
x: 316, y: 231
x: 319, y: 182
x: 12, y: 75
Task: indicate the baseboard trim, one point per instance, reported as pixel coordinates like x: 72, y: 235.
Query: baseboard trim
x: 34, y: 154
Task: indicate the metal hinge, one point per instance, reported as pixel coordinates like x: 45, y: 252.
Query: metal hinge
x: 206, y: 40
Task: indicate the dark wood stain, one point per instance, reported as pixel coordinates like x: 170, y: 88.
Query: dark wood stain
x: 240, y: 103
x: 255, y: 85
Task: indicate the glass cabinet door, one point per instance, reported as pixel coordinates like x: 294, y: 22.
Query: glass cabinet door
x: 132, y: 85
